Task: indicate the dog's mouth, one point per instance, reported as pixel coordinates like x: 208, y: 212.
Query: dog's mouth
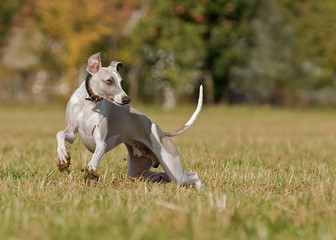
x: 115, y: 102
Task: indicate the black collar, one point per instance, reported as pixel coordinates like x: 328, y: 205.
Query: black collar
x: 93, y: 97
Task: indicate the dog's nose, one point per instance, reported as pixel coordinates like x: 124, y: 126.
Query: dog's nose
x: 126, y: 100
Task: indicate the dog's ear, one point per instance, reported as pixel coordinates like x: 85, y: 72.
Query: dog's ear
x: 117, y: 65
x: 94, y: 63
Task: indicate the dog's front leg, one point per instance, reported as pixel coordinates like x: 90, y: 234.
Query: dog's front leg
x: 99, y: 135
x: 90, y: 172
x: 68, y: 134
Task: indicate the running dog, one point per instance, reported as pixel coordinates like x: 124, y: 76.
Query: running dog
x: 98, y: 111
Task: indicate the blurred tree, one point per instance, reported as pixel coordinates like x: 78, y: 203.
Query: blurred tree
x: 269, y: 70
x: 232, y: 45
x: 8, y: 9
x: 196, y: 35
x: 75, y: 27
x: 315, y: 26
x: 68, y: 32
x: 281, y: 68
x: 221, y: 25
x: 170, y: 50
x: 20, y: 53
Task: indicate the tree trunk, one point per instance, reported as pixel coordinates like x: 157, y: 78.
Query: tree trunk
x: 209, y: 88
x: 133, y: 81
x: 23, y: 86
x: 169, y: 97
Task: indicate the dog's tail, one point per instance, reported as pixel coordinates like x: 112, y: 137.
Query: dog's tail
x: 192, y: 119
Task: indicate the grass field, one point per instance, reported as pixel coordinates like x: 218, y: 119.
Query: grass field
x: 267, y: 174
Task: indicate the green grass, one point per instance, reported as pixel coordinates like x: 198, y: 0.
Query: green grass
x: 267, y: 174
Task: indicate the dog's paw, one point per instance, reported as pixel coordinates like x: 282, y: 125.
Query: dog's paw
x: 90, y: 175
x: 64, y: 165
x: 196, y: 180
x: 160, y: 177
x: 62, y: 153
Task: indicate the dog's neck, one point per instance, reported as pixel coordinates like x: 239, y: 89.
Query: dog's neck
x: 92, y: 96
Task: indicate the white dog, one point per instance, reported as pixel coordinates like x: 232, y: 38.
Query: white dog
x: 97, y: 110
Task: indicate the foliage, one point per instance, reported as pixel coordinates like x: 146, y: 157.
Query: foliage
x: 315, y: 27
x: 76, y: 33
x: 7, y: 11
x: 74, y: 28
x: 171, y: 50
x: 226, y: 26
x: 222, y: 24
x: 241, y: 52
x: 185, y: 27
x: 279, y: 71
x: 268, y: 69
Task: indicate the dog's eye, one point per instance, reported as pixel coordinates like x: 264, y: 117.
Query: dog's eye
x: 109, y: 82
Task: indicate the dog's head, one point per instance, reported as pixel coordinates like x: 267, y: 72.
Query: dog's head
x: 106, y: 82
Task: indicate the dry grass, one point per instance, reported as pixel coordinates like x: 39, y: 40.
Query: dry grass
x: 267, y: 174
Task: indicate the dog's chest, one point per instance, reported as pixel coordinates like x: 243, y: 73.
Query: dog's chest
x: 89, y: 123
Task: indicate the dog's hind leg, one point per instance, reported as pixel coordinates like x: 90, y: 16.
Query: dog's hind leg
x: 69, y: 135
x: 139, y: 167
x: 165, y: 150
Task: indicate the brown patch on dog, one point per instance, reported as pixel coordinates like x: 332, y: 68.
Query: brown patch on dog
x: 90, y: 175
x: 93, y: 129
x: 64, y: 166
